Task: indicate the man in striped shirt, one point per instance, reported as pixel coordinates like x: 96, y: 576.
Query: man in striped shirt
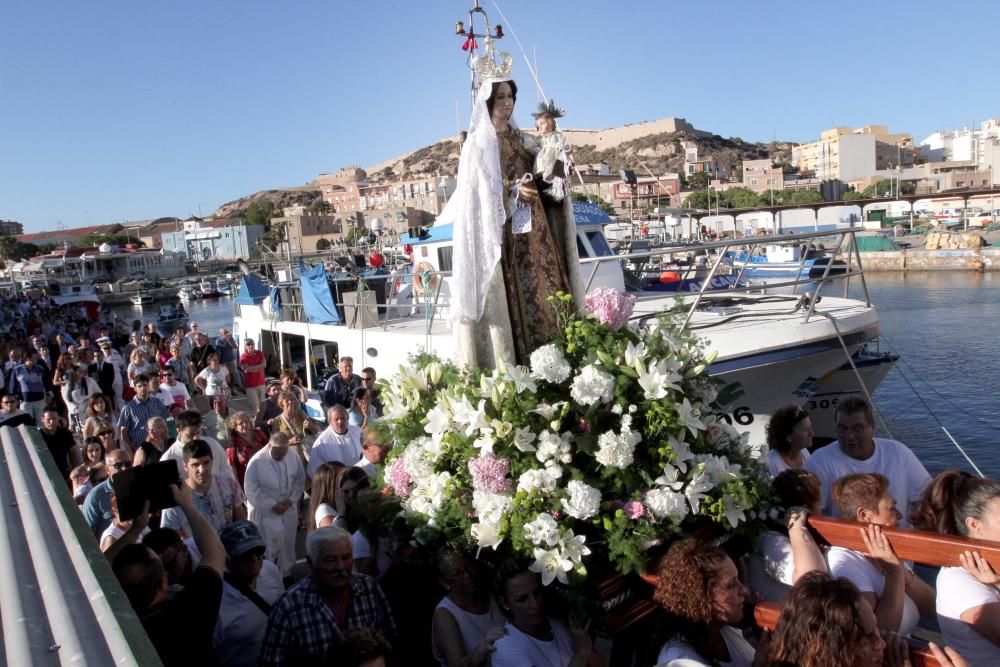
x: 135, y: 414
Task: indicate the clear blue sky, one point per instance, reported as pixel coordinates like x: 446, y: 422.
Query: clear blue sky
x: 118, y: 110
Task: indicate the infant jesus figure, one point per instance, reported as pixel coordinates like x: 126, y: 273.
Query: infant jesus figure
x: 551, y: 163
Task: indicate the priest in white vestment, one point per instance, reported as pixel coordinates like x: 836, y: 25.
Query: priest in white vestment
x: 340, y: 442
x: 274, y: 484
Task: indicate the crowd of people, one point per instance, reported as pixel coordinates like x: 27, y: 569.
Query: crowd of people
x: 216, y: 577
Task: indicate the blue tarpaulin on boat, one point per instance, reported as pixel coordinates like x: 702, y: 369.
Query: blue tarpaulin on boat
x: 252, y: 291
x: 316, y: 298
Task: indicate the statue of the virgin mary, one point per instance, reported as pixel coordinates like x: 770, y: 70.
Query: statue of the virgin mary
x: 513, y: 246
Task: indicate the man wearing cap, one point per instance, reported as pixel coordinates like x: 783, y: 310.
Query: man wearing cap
x: 314, y: 612
x: 252, y: 361
x: 251, y: 585
x: 274, y: 484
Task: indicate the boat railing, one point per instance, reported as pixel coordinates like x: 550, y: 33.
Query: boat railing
x: 851, y: 267
x: 388, y: 311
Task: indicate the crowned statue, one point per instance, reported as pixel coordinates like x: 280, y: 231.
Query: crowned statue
x: 514, y: 233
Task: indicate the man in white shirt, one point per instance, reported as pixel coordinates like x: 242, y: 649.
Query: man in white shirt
x: 274, y: 484
x: 857, y: 451
x: 189, y: 427
x: 251, y: 585
x: 218, y: 498
x: 177, y: 392
x: 340, y: 441
x: 373, y: 452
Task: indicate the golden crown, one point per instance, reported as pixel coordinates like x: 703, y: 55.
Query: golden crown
x: 492, y: 64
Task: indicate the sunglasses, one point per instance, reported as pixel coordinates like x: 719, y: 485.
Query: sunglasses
x: 122, y: 465
x: 104, y: 433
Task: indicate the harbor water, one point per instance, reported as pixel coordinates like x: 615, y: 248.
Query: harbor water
x: 943, y: 326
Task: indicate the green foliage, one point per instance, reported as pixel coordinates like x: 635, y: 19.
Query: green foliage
x: 605, y: 206
x: 11, y: 248
x: 260, y: 212
x: 853, y: 195
x: 740, y: 198
x: 98, y: 238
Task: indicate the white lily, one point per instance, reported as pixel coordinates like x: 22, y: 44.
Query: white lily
x: 471, y: 417
x: 733, y: 510
x: 636, y: 353
x: 439, y: 417
x: 551, y: 564
x: 670, y: 478
x: 521, y: 378
x: 690, y: 417
x: 681, y: 453
x: 486, y: 535
x: 523, y: 437
x: 574, y: 547
x: 548, y: 412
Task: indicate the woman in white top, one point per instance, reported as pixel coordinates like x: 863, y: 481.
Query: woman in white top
x: 788, y: 551
x: 897, y: 596
x: 531, y: 637
x: 468, y: 620
x: 76, y: 393
x: 139, y: 365
x: 968, y: 597
x: 700, y: 589
x: 323, y: 496
x: 789, y: 437
x: 214, y: 379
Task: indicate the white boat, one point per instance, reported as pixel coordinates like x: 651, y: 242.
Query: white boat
x: 172, y: 315
x: 141, y: 300
x: 208, y: 288
x: 188, y: 293
x: 768, y: 345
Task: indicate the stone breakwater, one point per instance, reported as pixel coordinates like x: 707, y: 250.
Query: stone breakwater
x: 920, y: 259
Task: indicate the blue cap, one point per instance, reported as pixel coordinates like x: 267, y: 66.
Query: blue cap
x: 240, y: 537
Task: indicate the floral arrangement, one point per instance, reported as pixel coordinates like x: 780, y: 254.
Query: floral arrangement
x: 609, y: 442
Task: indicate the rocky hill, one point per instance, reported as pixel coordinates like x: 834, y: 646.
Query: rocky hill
x: 653, y: 145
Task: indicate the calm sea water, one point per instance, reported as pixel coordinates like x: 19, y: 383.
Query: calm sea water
x: 943, y: 326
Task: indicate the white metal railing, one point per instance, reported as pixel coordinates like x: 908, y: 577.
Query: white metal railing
x: 61, y: 603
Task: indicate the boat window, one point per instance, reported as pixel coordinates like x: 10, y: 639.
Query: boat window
x: 599, y: 243
x: 444, y: 258
x: 580, y: 248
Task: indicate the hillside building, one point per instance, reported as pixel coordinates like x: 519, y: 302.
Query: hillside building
x: 761, y: 175
x: 11, y: 228
x: 848, y: 154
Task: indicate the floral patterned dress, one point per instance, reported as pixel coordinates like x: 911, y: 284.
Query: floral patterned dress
x: 533, y: 263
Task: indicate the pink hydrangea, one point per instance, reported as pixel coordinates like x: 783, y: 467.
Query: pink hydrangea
x: 489, y: 474
x: 610, y: 306
x: 634, y: 510
x: 399, y: 478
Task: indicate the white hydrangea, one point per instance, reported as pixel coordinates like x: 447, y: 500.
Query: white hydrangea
x: 542, y: 531
x: 592, y: 386
x: 552, y: 447
x: 663, y: 503
x: 490, y: 507
x: 617, y: 449
x: 540, y: 479
x: 549, y: 364
x: 584, y: 501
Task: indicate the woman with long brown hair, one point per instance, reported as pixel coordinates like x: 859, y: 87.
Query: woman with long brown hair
x: 323, y: 497
x: 825, y: 623
x: 968, y: 597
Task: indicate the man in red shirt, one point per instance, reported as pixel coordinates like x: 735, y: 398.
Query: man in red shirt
x: 252, y: 361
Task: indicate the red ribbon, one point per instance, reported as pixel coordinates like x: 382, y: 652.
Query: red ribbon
x: 470, y: 42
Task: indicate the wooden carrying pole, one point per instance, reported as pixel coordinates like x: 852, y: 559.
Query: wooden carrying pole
x: 916, y: 545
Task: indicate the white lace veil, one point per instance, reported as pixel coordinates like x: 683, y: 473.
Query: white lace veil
x: 476, y: 211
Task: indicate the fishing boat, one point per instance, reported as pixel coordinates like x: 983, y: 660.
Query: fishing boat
x: 188, y: 293
x: 768, y: 345
x: 783, y: 260
x: 208, y: 289
x: 171, y: 316
x: 141, y: 300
